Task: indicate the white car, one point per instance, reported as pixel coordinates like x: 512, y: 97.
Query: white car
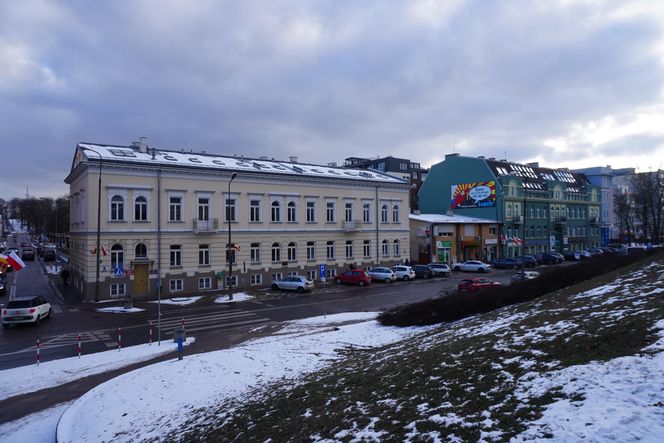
x: 382, y: 274
x: 440, y: 269
x: 293, y: 283
x: 472, y: 266
x: 25, y: 310
x: 404, y: 273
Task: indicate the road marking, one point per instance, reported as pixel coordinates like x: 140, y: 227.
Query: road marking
x: 257, y: 321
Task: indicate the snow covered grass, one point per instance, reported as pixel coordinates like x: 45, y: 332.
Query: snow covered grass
x: 24, y: 379
x: 573, y: 365
x: 179, y: 301
x: 239, y: 296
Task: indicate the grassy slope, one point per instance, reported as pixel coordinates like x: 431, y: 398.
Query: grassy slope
x: 457, y: 381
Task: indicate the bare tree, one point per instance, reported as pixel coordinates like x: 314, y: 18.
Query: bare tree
x: 647, y: 196
x: 622, y: 207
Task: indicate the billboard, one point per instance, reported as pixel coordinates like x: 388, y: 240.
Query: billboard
x: 474, y: 195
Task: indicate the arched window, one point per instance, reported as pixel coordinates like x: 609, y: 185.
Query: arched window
x: 291, y: 212
x: 395, y: 248
x: 395, y: 214
x: 117, y: 256
x: 141, y: 208
x: 141, y: 251
x: 292, y: 251
x: 276, y: 252
x: 385, y: 248
x: 275, y: 212
x: 383, y: 214
x: 117, y: 208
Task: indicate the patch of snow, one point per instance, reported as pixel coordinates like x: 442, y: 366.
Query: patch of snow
x: 179, y: 301
x: 240, y: 296
x: 120, y: 310
x: 34, y: 428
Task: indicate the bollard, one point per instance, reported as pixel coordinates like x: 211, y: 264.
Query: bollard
x: 79, y: 345
x: 180, y: 347
x: 37, y: 352
x: 183, y: 323
x: 119, y: 339
x: 150, y: 323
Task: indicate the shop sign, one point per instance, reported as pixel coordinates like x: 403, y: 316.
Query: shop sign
x: 474, y: 195
x: 440, y: 244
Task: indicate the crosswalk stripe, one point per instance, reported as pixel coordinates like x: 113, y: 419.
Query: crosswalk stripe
x: 225, y: 326
x: 194, y: 321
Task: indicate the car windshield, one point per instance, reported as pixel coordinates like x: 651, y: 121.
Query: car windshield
x: 18, y: 304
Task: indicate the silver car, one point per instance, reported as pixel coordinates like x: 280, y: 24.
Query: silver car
x: 293, y: 283
x: 404, y: 273
x: 25, y: 310
x: 441, y: 269
x: 382, y: 274
x: 472, y: 266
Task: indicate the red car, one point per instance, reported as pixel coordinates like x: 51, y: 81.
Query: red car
x: 354, y: 277
x: 475, y: 283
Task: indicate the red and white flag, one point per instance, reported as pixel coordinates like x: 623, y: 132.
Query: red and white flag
x: 517, y: 240
x: 102, y: 252
x: 15, y: 261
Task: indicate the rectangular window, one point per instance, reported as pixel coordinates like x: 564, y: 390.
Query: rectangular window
x: 311, y: 212
x: 175, y: 285
x: 329, y: 212
x: 118, y: 289
x: 175, y: 209
x: 203, y: 254
x: 140, y: 209
x: 349, y: 212
x: 292, y: 252
x: 203, y: 208
x: 176, y: 255
x: 276, y: 253
x: 331, y: 273
x: 205, y: 283
x: 349, y: 248
x: 277, y: 276
x: 255, y: 211
x: 231, y: 281
x: 366, y: 213
x: 311, y: 250
x: 366, y: 248
x: 256, y: 279
x: 311, y: 275
x: 230, y: 209
x: 330, y: 250
x: 255, y: 252
x: 493, y: 231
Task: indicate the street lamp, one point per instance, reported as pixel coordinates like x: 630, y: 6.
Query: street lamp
x: 229, y: 248
x: 98, y: 224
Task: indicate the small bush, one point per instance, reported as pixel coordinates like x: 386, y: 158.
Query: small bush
x: 456, y: 305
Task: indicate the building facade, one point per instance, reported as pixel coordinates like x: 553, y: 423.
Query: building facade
x: 397, y: 167
x: 536, y: 209
x: 165, y: 219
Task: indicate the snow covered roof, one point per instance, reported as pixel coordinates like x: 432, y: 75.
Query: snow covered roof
x: 537, y: 176
x: 203, y: 160
x: 449, y: 219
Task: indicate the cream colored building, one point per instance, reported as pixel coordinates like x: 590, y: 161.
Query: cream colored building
x: 165, y: 218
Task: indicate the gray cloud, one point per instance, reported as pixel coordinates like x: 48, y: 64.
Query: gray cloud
x: 323, y: 80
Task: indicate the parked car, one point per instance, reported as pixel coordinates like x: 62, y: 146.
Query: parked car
x: 382, y: 274
x: 505, y: 263
x: 3, y: 286
x: 28, y: 253
x: 423, y: 271
x: 550, y: 258
x: 596, y: 251
x: 474, y: 283
x: 49, y: 255
x: 472, y: 266
x: 354, y: 277
x: 25, y: 310
x: 526, y: 275
x: 440, y: 269
x: 572, y: 255
x: 584, y: 255
x: 293, y: 283
x: 404, y: 273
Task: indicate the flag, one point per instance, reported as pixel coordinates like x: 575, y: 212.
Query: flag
x: 15, y: 261
x: 102, y: 252
x: 517, y: 240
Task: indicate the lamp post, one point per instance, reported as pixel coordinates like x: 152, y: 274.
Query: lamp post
x: 523, y: 239
x: 98, y: 224
x: 229, y: 247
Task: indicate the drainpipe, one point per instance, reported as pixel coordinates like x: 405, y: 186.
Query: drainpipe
x: 159, y: 256
x: 377, y: 236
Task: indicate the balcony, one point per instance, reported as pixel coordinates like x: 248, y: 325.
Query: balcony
x: 352, y: 226
x: 205, y: 226
x: 517, y: 219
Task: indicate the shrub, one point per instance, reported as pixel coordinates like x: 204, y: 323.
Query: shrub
x: 455, y: 305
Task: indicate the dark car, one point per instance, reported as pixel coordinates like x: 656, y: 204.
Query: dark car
x: 506, y: 263
x: 423, y: 271
x: 571, y: 255
x: 475, y: 283
x: 28, y: 253
x: 550, y: 258
x: 353, y: 277
x: 49, y: 255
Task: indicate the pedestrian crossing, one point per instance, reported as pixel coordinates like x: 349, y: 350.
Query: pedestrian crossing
x: 205, y: 322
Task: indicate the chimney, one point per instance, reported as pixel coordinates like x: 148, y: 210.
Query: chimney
x: 142, y: 146
x: 533, y: 164
x: 293, y: 159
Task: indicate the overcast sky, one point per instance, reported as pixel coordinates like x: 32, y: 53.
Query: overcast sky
x: 566, y: 83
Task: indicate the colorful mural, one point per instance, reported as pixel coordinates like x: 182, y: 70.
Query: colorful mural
x: 474, y: 195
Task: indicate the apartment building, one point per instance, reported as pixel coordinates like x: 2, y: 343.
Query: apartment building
x: 166, y: 218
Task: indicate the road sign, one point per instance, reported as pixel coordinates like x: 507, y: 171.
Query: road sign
x: 322, y: 271
x: 119, y: 272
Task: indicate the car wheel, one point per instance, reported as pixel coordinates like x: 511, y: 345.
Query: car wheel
x: 456, y: 268
x: 406, y: 278
x: 361, y: 283
x: 300, y: 289
x: 515, y: 267
x: 48, y: 314
x: 337, y: 281
x: 481, y: 270
x: 425, y: 276
x: 388, y: 280
x: 275, y: 287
